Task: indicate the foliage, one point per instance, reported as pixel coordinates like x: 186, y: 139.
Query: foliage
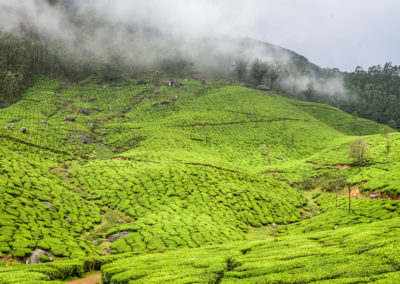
x: 188, y: 174
x: 358, y: 150
x: 377, y: 92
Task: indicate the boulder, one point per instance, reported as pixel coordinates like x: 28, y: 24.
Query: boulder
x: 263, y: 88
x: 273, y: 226
x: 23, y: 130
x: 85, y: 110
x: 115, y: 237
x: 160, y: 104
x: 173, y: 83
x: 9, y: 127
x: 48, y: 204
x: 70, y: 119
x: 68, y: 220
x: 104, y: 133
x: 12, y: 120
x: 84, y: 140
x: 97, y: 109
x: 37, y: 254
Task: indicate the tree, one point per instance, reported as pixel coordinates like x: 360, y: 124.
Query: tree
x: 349, y: 189
x: 309, y: 93
x: 393, y: 124
x: 272, y: 73
x: 386, y: 134
x: 335, y: 184
x: 240, y: 70
x: 257, y: 72
x: 358, y: 150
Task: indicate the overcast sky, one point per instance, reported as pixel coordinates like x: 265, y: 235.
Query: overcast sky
x: 330, y: 33
x: 333, y: 33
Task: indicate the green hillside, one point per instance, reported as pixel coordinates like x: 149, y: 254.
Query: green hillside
x: 187, y: 182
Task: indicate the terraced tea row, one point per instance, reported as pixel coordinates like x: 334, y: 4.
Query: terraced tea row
x: 335, y: 256
x: 176, y: 205
x: 37, y: 209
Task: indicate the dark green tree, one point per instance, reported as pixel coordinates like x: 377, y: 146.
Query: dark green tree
x: 258, y: 71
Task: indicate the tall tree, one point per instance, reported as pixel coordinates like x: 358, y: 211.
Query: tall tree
x: 257, y: 72
x: 358, y: 150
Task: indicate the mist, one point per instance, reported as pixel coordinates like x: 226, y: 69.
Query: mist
x: 139, y: 35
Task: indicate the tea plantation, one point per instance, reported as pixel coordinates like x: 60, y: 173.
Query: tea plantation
x: 212, y: 183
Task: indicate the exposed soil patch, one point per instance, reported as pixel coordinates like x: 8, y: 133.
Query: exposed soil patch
x: 342, y: 167
x: 89, y: 279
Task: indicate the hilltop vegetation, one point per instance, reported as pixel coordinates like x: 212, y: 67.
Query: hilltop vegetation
x: 191, y: 178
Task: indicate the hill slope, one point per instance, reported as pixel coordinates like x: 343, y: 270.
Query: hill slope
x: 137, y: 168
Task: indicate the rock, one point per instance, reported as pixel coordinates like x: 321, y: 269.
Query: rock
x: 43, y: 123
x: 173, y: 83
x: 12, y: 120
x: 245, y: 85
x: 48, y: 204
x: 104, y: 133
x: 37, y: 255
x: 174, y: 98
x: 23, y: 130
x: 85, y: 110
x: 121, y: 115
x: 273, y: 226
x: 68, y: 220
x: 131, y: 118
x: 160, y: 104
x: 115, y: 237
x: 97, y: 109
x: 228, y: 83
x: 5, y: 105
x: 110, y: 107
x: 70, y: 119
x: 203, y: 82
x: 262, y: 88
x: 84, y: 140
x: 9, y: 127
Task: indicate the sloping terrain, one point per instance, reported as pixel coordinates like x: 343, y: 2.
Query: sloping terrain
x: 139, y: 168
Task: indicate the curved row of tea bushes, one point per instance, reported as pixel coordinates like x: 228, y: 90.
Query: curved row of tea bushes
x: 184, y: 205
x: 38, y: 210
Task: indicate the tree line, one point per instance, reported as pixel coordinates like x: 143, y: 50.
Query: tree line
x: 376, y: 93
x: 373, y: 94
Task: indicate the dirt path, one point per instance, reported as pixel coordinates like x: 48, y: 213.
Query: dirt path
x: 89, y: 279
